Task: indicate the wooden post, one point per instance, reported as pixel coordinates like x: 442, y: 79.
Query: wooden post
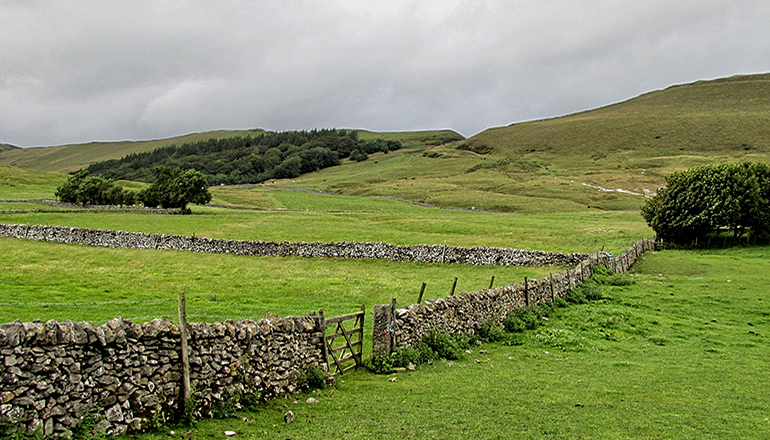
x: 393, y: 325
x: 492, y: 281
x: 358, y: 359
x: 186, y: 390
x: 443, y: 253
x: 526, y: 291
x: 553, y: 292
x: 422, y: 290
x: 454, y: 284
x: 322, y: 328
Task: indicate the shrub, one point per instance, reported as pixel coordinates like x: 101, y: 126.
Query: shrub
x: 491, y: 331
x: 444, y: 345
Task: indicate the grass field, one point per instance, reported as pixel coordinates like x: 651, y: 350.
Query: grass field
x: 682, y: 353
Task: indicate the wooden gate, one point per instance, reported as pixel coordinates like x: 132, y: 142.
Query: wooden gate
x: 344, y: 345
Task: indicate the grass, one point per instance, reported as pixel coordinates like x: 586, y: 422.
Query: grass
x: 40, y: 272
x: 642, y: 363
x: 572, y: 232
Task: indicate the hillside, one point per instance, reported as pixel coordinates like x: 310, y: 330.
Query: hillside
x: 557, y: 164
x: 66, y: 158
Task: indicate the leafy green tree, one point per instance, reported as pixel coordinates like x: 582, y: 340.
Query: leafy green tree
x: 711, y: 199
x: 85, y: 189
x: 176, y: 188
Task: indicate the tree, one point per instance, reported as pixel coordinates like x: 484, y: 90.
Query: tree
x: 176, y: 188
x: 712, y: 199
x: 85, y: 189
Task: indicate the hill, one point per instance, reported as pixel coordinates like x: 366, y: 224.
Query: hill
x: 66, y: 158
x: 7, y: 147
x: 603, y: 158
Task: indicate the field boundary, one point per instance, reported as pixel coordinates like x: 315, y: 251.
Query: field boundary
x: 478, y: 256
x: 463, y: 314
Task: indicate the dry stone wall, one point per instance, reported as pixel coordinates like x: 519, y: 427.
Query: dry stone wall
x: 53, y: 373
x: 404, y: 327
x: 366, y: 251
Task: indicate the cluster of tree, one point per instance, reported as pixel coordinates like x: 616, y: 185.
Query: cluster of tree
x: 249, y: 159
x: 85, y: 189
x: 173, y: 188
x: 703, y: 202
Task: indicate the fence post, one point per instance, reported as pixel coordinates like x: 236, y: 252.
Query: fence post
x: 324, y: 349
x: 393, y: 325
x: 186, y: 391
x: 454, y: 284
x: 553, y: 293
x: 526, y: 292
x: 492, y: 281
x: 422, y: 290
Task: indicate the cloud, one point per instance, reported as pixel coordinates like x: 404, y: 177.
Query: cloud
x: 80, y: 70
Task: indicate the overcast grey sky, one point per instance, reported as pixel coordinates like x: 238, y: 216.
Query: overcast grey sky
x: 81, y: 70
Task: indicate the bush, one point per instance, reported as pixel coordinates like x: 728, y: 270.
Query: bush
x: 444, y: 345
x: 607, y: 277
x: 490, y: 331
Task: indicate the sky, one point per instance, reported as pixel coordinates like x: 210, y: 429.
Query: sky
x: 74, y: 71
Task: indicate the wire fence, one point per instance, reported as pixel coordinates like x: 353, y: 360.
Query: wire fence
x: 209, y: 310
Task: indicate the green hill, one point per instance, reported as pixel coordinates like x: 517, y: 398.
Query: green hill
x: 66, y: 158
x: 598, y: 159
x: 557, y: 164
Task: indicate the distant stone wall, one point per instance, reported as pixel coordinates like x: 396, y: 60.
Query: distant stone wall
x: 53, y: 373
x: 403, y: 327
x: 479, y: 256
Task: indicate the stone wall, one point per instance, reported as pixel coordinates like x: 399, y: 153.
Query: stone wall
x: 403, y: 327
x: 367, y: 251
x: 53, y: 373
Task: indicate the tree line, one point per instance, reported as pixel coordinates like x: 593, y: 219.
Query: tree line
x: 248, y: 159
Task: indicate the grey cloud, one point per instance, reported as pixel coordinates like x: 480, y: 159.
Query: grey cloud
x: 79, y: 70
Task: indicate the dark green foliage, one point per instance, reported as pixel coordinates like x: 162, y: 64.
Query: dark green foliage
x: 523, y: 318
x: 175, y: 188
x: 17, y: 431
x: 703, y: 202
x: 434, y: 346
x: 587, y: 291
x: 249, y: 159
x: 478, y: 149
x: 85, y: 189
x: 607, y: 277
x: 313, y: 379
x: 491, y: 331
x: 443, y: 344
x: 87, y: 428
x: 228, y: 406
x: 187, y: 414
x: 359, y: 156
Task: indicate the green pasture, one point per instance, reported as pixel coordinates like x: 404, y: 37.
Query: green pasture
x: 682, y: 353
x: 56, y: 274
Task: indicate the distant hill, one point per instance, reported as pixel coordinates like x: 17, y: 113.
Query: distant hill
x: 66, y: 158
x: 7, y: 147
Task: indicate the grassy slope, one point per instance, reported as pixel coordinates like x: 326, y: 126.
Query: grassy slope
x: 66, y: 158
x: 17, y: 183
x: 543, y: 166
